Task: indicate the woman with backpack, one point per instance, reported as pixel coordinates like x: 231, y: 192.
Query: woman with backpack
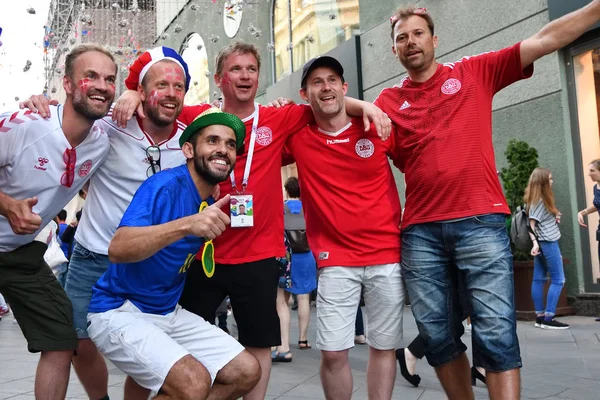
x: 544, y: 219
x: 594, y: 174
x: 302, y: 274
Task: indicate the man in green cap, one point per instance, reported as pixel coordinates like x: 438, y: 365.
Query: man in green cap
x: 134, y: 317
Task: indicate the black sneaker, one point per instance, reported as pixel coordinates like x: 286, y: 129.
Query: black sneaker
x: 553, y: 324
x: 538, y: 322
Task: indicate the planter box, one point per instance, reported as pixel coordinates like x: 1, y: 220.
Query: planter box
x: 523, y: 275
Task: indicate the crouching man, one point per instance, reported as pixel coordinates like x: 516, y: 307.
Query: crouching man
x: 134, y: 318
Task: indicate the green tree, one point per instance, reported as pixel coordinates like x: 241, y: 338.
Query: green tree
x: 522, y: 160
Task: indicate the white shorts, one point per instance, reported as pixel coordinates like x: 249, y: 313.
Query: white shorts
x: 338, y: 297
x: 146, y: 346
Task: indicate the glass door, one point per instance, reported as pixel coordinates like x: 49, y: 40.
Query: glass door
x: 585, y: 106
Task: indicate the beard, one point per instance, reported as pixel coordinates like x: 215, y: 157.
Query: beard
x: 83, y: 107
x: 157, y: 118
x: 329, y: 110
x: 419, y: 64
x: 203, y: 168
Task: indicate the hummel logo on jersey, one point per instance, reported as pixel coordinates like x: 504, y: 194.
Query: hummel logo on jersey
x: 42, y: 161
x: 404, y: 105
x: 336, y: 141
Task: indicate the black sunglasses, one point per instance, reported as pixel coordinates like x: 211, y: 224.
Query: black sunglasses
x: 153, y: 154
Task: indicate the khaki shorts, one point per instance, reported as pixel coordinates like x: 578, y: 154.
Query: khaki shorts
x: 338, y: 296
x: 39, y: 303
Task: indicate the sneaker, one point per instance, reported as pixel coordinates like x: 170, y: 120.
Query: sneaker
x: 553, y: 324
x: 4, y: 311
x: 538, y: 322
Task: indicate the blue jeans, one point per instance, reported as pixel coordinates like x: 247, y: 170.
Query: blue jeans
x: 85, y: 268
x: 548, y: 262
x: 477, y: 251
x: 62, y: 273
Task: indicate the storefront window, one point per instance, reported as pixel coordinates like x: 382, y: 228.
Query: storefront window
x: 586, y: 67
x: 194, y: 54
x: 317, y: 26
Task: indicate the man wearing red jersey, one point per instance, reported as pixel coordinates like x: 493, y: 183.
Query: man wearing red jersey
x: 246, y: 268
x: 455, y: 209
x: 352, y: 213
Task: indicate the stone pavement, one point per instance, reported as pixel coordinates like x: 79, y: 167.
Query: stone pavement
x: 557, y: 365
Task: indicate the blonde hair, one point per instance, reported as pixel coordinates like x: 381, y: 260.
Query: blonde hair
x: 596, y: 163
x: 238, y: 47
x: 408, y: 11
x: 538, y: 189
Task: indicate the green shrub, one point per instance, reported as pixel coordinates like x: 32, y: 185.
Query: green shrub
x: 522, y: 160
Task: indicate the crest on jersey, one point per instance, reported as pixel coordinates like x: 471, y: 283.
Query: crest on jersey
x: 451, y: 86
x: 85, y: 168
x: 264, y: 136
x: 364, y: 148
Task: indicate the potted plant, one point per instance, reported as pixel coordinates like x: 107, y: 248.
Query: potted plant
x: 522, y: 160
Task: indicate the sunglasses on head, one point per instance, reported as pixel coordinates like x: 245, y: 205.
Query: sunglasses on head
x: 418, y: 11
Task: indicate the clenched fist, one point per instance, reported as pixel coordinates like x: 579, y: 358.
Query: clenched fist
x: 21, y: 217
x: 210, y: 222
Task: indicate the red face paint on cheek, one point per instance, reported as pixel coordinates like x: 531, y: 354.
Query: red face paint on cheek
x: 84, y: 84
x: 153, y: 99
x: 225, y: 80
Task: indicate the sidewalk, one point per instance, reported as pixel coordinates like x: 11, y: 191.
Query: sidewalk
x: 557, y: 365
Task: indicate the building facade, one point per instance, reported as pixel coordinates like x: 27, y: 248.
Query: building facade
x: 556, y: 111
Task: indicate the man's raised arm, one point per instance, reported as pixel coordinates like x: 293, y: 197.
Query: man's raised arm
x: 559, y: 33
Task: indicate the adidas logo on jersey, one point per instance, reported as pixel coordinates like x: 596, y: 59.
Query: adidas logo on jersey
x: 404, y: 105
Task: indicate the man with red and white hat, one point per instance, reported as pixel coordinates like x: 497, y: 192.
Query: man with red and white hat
x: 144, y: 147
x: 246, y: 266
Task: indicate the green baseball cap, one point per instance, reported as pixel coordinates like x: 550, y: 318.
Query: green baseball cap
x: 214, y: 116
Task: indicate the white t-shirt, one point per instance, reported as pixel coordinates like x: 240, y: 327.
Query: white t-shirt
x: 32, y: 165
x: 112, y: 187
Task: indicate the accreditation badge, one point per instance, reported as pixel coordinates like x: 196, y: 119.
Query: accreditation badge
x: 241, y: 209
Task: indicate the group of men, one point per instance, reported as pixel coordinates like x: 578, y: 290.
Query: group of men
x: 156, y: 252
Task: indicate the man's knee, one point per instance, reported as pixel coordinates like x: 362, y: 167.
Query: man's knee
x: 334, y: 359
x: 192, y: 390
x: 250, y: 372
x: 188, y: 379
x: 243, y: 372
x: 86, y: 349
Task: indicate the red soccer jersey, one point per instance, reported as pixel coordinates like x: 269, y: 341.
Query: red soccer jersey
x: 349, y: 195
x: 265, y: 238
x: 444, y: 136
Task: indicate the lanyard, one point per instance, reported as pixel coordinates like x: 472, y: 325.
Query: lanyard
x: 250, y: 154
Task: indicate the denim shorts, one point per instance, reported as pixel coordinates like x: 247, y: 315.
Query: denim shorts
x: 85, y: 268
x: 475, y: 250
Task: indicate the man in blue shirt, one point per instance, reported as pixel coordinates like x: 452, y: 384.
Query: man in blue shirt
x: 134, y: 317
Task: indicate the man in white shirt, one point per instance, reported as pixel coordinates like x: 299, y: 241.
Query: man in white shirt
x: 43, y: 164
x: 143, y: 148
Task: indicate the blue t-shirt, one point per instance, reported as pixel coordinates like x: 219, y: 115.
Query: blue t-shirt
x: 154, y: 285
x: 63, y: 245
x: 294, y: 205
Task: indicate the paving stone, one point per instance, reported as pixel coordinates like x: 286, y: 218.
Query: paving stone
x: 558, y: 365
